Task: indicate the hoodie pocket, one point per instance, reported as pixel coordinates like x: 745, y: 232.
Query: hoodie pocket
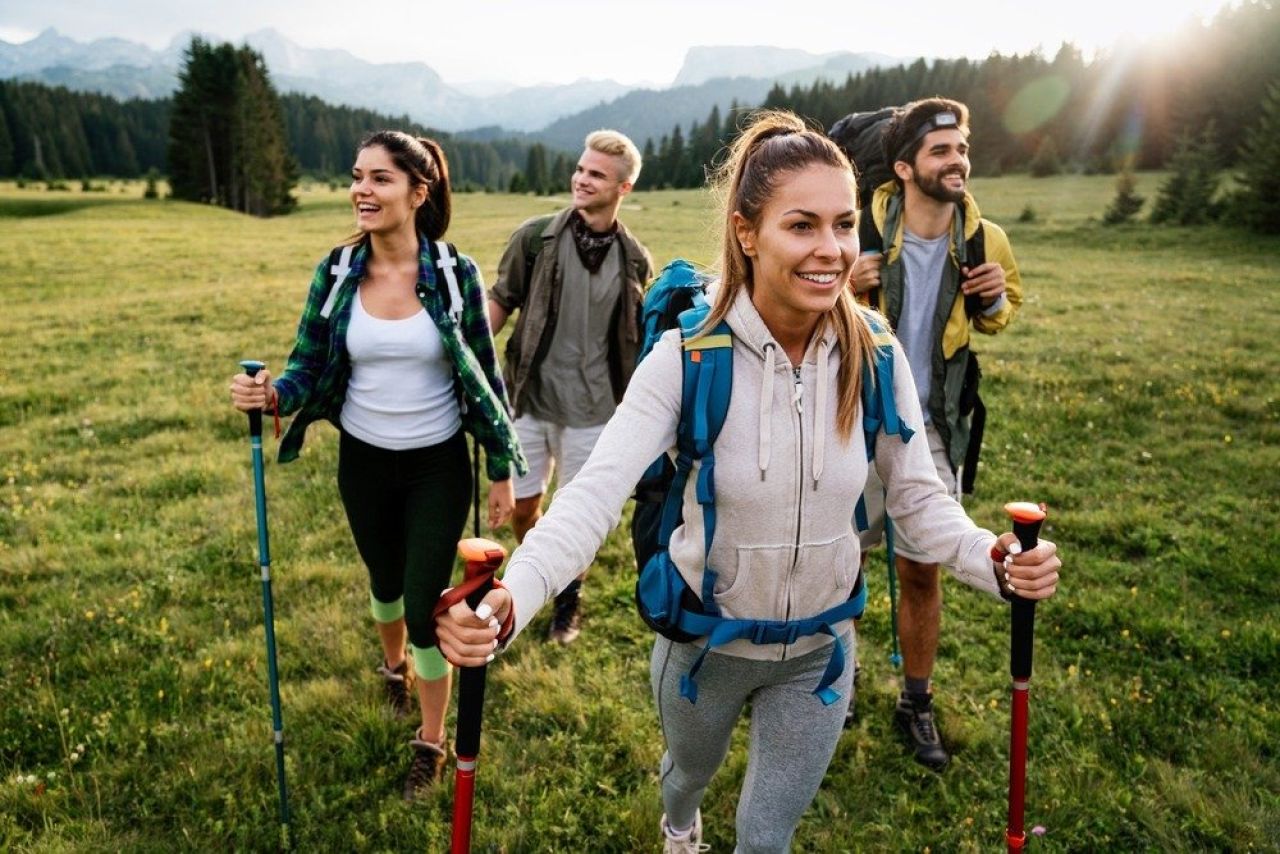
x: 756, y: 588
x: 823, y: 577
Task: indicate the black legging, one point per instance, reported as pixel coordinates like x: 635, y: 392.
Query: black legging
x: 407, y: 510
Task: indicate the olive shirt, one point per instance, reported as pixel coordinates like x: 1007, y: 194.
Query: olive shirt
x: 534, y: 289
x: 314, y: 382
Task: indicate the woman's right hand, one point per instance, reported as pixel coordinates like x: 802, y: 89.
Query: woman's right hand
x: 250, y: 393
x: 469, y: 638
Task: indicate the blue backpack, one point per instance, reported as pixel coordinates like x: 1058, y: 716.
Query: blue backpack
x: 665, y: 602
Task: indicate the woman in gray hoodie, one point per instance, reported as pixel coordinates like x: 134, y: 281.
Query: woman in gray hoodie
x: 791, y: 462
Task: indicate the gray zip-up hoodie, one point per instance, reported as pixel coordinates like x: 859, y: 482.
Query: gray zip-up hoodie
x: 786, y: 487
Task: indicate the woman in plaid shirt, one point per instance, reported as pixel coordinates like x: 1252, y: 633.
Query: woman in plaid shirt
x: 394, y: 349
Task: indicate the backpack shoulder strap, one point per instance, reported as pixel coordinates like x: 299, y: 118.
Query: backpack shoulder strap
x: 975, y: 253
x: 339, y: 267
x: 706, y: 386
x: 879, y: 406
x: 447, y: 262
x: 533, y: 243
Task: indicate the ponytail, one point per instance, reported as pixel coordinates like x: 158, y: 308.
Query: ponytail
x: 433, y: 216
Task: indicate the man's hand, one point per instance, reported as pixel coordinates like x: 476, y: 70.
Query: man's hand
x: 985, y: 280
x: 866, y: 272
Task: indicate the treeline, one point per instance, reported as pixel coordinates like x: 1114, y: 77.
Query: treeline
x: 323, y: 138
x: 49, y: 132
x: 1126, y: 108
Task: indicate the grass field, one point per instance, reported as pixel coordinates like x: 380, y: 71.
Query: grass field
x: 1136, y: 393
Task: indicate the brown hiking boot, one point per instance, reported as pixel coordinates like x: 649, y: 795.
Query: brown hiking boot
x: 427, y: 767
x: 398, y: 686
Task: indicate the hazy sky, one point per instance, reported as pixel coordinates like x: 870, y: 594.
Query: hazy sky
x: 532, y: 41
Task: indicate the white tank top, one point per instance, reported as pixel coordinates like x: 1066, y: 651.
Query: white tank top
x: 400, y: 394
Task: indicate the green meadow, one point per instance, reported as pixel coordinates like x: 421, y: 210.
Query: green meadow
x: 1136, y: 394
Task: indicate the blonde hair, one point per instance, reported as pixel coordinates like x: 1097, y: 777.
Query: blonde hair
x: 618, y: 145
x: 774, y: 145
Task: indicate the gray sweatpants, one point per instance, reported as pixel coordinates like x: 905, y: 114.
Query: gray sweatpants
x: 792, y: 737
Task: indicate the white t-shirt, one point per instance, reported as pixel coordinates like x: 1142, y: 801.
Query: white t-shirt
x: 922, y: 262
x: 400, y: 394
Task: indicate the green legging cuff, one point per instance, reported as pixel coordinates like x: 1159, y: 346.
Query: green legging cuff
x: 386, y: 612
x: 428, y: 663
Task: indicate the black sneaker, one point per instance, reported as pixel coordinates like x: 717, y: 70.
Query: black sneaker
x: 397, y: 684
x: 915, y: 719
x: 427, y: 767
x: 566, y: 622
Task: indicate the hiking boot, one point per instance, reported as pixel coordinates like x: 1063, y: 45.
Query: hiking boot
x: 566, y: 622
x: 427, y: 767
x: 914, y: 716
x: 398, y: 685
x: 691, y: 843
x: 851, y: 714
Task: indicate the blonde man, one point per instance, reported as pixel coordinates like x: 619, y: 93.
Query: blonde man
x: 576, y: 279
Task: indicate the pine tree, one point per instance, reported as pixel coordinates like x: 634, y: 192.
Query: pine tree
x: 1127, y: 203
x: 535, y: 170
x: 227, y: 139
x: 1257, y: 204
x: 1186, y: 196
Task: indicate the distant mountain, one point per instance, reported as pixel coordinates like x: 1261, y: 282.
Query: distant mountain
x: 650, y: 113
x: 707, y: 63
x: 126, y: 69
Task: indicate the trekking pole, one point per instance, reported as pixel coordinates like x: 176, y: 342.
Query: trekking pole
x: 251, y: 368
x: 1027, y: 518
x: 482, y: 557
x: 895, y: 657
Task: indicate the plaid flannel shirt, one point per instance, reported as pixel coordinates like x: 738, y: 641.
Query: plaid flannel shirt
x: 314, y: 382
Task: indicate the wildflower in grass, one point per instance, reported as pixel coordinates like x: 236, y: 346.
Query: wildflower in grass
x: 89, y: 615
x: 1124, y: 633
x: 1226, y: 633
x: 208, y: 662
x: 160, y: 695
x: 1072, y: 671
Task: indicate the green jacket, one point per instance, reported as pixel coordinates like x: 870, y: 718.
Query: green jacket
x: 951, y: 349
x: 314, y: 382
x: 538, y: 299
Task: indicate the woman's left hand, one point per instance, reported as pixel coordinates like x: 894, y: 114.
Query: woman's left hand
x: 502, y: 500
x: 1029, y: 575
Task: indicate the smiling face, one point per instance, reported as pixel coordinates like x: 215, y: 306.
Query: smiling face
x: 803, y: 246
x: 941, y: 167
x: 599, y: 182
x: 382, y: 196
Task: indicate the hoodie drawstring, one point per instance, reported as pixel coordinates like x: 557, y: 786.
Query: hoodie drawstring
x: 820, y: 411
x: 766, y: 406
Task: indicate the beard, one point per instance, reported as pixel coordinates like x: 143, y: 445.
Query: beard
x: 935, y: 189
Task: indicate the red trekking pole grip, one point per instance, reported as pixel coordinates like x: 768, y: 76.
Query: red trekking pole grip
x: 1027, y: 519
